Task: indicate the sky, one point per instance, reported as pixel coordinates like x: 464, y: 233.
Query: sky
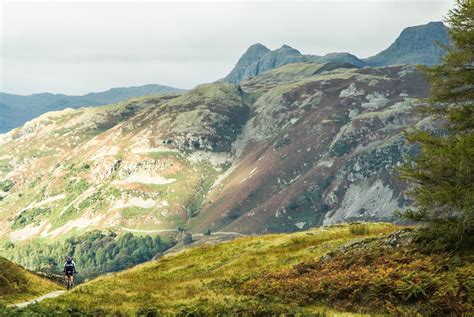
x: 85, y: 46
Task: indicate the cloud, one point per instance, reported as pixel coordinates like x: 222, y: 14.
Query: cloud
x: 77, y: 47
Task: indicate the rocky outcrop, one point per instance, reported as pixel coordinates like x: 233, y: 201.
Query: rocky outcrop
x: 422, y: 44
x: 251, y: 55
x: 259, y: 59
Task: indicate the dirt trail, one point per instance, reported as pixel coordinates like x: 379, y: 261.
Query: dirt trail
x: 39, y: 299
x: 176, y: 230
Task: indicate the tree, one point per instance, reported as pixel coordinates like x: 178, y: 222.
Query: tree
x: 442, y: 175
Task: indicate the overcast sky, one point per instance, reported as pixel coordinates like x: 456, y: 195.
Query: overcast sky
x: 79, y: 47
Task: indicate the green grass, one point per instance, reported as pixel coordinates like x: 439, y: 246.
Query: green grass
x: 5, y: 166
x: 359, y: 228
x: 18, y: 284
x: 201, y: 280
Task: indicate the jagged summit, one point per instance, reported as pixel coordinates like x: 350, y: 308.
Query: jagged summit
x: 257, y: 47
x: 289, y: 48
x: 415, y: 45
x: 251, y: 55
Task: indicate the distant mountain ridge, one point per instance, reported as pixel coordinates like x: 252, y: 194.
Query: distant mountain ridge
x: 414, y: 45
x: 15, y: 110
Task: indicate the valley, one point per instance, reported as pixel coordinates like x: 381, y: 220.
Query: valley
x: 296, y: 185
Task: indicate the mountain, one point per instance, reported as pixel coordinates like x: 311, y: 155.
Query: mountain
x: 298, y: 146
x: 255, y: 64
x: 15, y: 110
x: 251, y: 55
x: 415, y: 45
x: 18, y: 284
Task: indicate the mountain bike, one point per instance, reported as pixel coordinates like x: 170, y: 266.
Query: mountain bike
x: 68, y: 281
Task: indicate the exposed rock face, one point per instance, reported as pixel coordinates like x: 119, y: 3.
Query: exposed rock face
x: 273, y: 59
x: 298, y: 146
x: 252, y: 64
x: 415, y: 45
x: 252, y: 55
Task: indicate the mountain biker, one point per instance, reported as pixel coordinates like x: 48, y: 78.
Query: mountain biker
x: 69, y: 270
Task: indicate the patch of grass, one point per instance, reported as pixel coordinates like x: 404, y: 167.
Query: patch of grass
x: 18, y: 284
x: 359, y: 228
x: 133, y: 212
x: 163, y: 155
x: 5, y: 166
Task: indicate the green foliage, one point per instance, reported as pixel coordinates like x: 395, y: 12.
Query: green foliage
x: 194, y: 203
x: 94, y: 253
x: 6, y: 185
x: 76, y: 186
x: 342, y: 147
x: 285, y: 140
x: 442, y: 176
x: 30, y: 216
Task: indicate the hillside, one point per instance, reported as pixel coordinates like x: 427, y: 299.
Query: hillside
x: 415, y: 45
x: 15, y: 110
x: 354, y: 270
x: 318, y: 146
x: 18, y: 284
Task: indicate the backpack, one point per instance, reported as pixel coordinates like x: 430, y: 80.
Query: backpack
x: 69, y: 266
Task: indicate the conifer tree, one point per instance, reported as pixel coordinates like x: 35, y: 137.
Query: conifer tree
x: 441, y: 177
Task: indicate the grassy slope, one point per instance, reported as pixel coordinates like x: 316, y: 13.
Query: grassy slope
x: 18, y: 284
x: 203, y: 279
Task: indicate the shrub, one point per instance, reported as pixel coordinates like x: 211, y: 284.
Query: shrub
x: 188, y: 239
x: 359, y: 229
x: 374, y: 276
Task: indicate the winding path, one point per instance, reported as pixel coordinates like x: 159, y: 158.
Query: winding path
x: 176, y: 230
x: 39, y: 299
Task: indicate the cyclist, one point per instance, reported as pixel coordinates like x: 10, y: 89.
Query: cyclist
x: 69, y: 271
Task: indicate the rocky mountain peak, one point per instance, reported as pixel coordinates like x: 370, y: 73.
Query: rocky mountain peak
x: 289, y: 49
x: 251, y: 55
x: 256, y: 48
x: 415, y: 45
